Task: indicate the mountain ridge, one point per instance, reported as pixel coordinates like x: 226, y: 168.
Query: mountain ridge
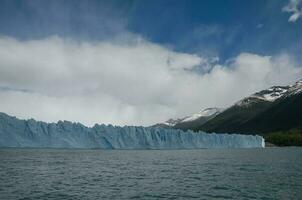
x: 188, y: 121
x: 277, y: 108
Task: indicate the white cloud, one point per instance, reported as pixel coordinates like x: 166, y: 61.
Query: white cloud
x: 293, y: 7
x: 134, y: 83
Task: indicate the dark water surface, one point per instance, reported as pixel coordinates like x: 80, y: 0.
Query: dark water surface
x: 271, y: 173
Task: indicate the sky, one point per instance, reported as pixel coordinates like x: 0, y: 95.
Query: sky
x: 142, y: 62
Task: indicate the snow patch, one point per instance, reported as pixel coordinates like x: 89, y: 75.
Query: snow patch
x: 204, y: 113
x: 272, y: 94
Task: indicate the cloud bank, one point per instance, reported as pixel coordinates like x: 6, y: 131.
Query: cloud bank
x: 133, y: 82
x: 294, y: 7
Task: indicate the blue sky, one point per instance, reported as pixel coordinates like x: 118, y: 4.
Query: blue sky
x: 142, y: 62
x: 210, y: 27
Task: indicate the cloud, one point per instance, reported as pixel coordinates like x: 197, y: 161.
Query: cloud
x: 130, y: 81
x: 259, y: 25
x: 293, y: 7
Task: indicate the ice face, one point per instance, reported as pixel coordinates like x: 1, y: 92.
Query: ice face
x: 64, y: 134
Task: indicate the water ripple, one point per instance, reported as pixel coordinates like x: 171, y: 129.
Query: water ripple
x: 272, y: 173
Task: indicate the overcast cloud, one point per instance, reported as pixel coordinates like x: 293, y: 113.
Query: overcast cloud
x: 132, y: 82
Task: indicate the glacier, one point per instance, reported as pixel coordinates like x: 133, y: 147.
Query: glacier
x: 30, y: 133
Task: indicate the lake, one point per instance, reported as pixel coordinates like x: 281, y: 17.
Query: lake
x: 270, y: 173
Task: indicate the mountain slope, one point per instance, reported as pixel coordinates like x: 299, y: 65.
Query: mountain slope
x: 278, y: 108
x: 231, y: 119
x: 198, y: 119
x: 193, y: 121
x: 284, y: 114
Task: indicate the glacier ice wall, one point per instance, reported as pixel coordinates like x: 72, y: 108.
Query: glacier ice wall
x: 30, y: 133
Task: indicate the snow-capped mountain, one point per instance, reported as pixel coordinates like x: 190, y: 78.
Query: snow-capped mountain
x: 278, y: 108
x: 201, y: 117
x: 204, y: 113
x: 173, y: 122
x: 272, y: 94
x: 269, y: 95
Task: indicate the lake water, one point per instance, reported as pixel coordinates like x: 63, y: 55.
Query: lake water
x: 271, y: 173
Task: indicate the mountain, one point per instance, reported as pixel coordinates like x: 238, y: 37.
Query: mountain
x: 192, y: 121
x: 31, y: 133
x: 275, y: 113
x: 278, y: 108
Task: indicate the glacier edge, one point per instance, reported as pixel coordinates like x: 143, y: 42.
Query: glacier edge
x: 63, y: 134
